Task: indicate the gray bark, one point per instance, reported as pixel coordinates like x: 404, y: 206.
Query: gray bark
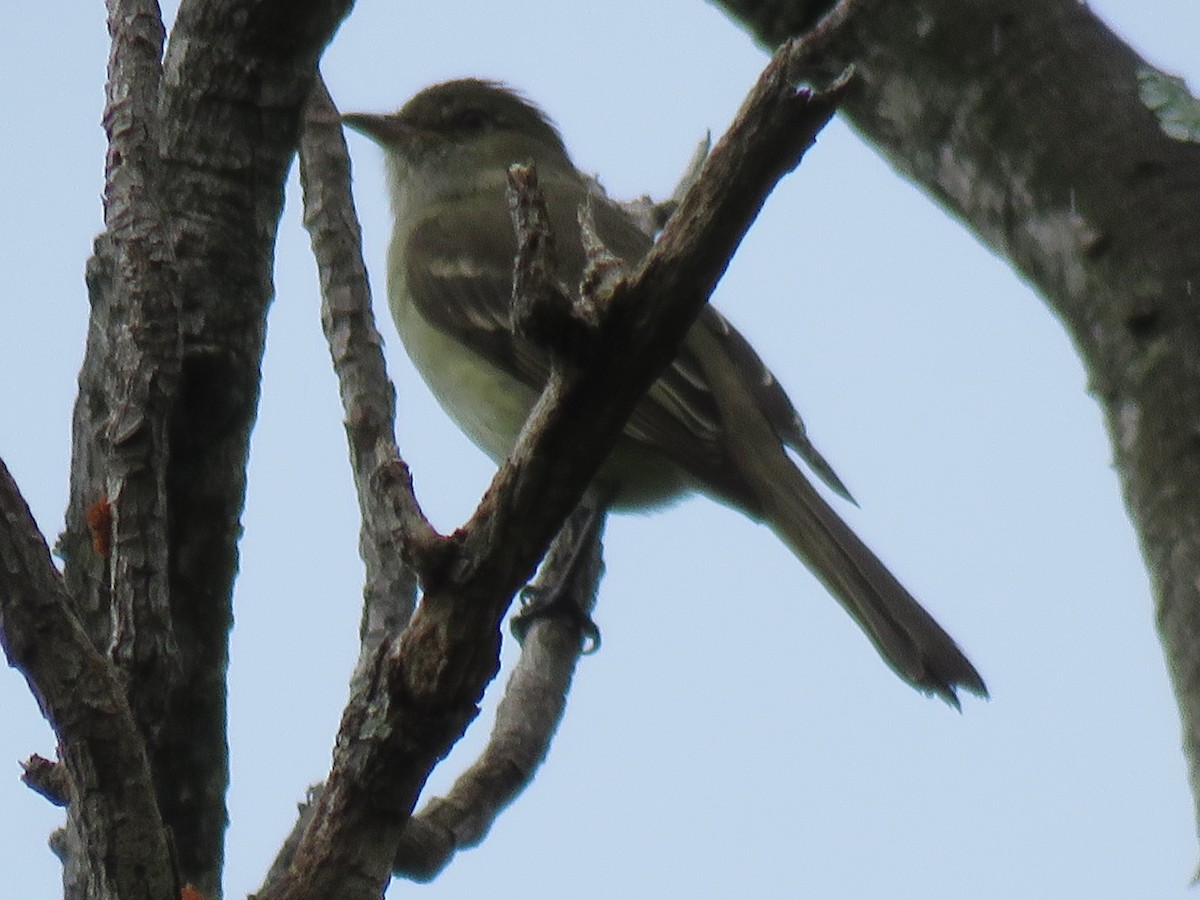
x: 1026, y: 120
x: 167, y: 401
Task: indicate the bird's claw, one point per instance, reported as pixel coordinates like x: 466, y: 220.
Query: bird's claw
x: 538, y: 603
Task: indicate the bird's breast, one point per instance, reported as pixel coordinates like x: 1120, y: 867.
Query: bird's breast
x: 489, y: 405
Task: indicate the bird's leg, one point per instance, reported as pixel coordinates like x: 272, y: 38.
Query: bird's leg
x: 566, y: 586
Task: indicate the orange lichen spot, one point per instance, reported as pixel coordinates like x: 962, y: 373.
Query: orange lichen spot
x: 189, y: 892
x: 99, y: 521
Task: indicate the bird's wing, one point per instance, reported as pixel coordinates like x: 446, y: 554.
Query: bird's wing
x: 466, y: 294
x: 770, y: 397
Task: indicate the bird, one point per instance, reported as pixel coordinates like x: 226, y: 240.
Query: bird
x: 716, y: 422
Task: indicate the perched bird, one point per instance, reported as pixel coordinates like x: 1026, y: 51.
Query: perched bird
x: 716, y: 421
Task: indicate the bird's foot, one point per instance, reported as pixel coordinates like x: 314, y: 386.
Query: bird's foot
x: 554, y: 602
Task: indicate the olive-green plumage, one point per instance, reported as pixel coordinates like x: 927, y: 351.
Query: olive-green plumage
x: 717, y: 421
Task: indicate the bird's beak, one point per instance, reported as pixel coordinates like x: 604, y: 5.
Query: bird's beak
x: 383, y: 129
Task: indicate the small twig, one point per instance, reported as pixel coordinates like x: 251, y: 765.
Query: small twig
x: 543, y: 309
x: 691, y: 172
x: 603, y: 268
x: 650, y: 215
x: 48, y: 778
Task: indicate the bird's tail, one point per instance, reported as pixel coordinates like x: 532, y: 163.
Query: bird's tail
x: 908, y: 637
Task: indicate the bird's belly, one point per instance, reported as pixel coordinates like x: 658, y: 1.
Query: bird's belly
x: 487, y: 404
x: 490, y: 407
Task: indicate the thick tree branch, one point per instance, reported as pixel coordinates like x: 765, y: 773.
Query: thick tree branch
x: 426, y: 684
x: 124, y: 586
x: 228, y: 109
x: 124, y: 847
x: 527, y: 719
x: 1025, y: 118
x: 144, y: 334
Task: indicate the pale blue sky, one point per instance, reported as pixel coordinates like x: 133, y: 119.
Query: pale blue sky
x: 736, y: 736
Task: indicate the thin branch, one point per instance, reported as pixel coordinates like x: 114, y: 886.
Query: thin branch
x: 368, y: 396
x: 528, y: 715
x: 124, y: 846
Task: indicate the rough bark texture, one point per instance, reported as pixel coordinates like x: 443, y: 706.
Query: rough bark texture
x: 223, y: 121
x: 356, y: 349
x: 124, y: 852
x: 1024, y: 119
x: 528, y: 715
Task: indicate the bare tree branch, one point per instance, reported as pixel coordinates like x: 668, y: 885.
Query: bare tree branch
x: 535, y: 697
x: 124, y: 845
x: 144, y: 335
x: 527, y: 717
x: 368, y: 397
x: 219, y: 128
x: 355, y: 345
x: 128, y: 603
x: 1026, y: 119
